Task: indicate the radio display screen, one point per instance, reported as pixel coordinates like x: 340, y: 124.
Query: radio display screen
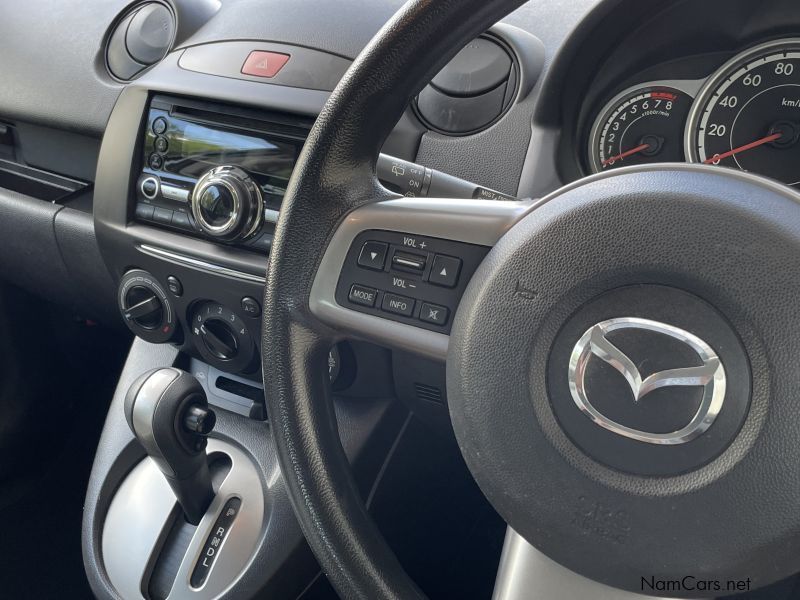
x: 188, y: 149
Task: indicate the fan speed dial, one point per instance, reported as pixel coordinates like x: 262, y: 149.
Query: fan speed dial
x: 222, y: 337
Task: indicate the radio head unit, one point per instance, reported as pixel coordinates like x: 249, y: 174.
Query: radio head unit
x: 216, y: 171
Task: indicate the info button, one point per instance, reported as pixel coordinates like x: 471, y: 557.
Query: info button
x: 399, y: 305
x: 362, y: 295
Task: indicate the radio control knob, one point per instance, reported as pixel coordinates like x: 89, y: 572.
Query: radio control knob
x: 227, y: 204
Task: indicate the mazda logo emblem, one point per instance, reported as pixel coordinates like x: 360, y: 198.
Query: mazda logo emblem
x: 595, y: 345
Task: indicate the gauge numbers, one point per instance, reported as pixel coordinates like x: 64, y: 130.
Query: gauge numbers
x: 747, y: 116
x: 642, y: 125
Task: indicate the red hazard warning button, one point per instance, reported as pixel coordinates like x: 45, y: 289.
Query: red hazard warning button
x: 264, y: 64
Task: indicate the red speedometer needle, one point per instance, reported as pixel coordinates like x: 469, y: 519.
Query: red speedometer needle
x: 745, y: 148
x: 630, y: 152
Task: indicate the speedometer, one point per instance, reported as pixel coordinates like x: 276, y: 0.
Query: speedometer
x: 747, y: 116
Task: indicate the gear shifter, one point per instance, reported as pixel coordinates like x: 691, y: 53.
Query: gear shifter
x: 168, y: 413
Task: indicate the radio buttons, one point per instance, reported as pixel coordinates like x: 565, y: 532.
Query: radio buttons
x: 162, y: 215
x: 156, y: 162
x: 176, y: 194
x: 144, y: 211
x: 410, y: 263
x: 149, y: 187
x: 161, y: 145
x: 271, y: 215
x: 433, y: 313
x: 159, y: 125
x: 181, y: 221
x: 373, y: 255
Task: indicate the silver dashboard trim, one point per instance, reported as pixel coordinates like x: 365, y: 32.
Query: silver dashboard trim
x: 480, y: 222
x: 525, y: 573
x: 199, y: 264
x: 140, y: 514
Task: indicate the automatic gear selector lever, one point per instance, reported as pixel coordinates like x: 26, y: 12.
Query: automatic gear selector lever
x: 168, y: 412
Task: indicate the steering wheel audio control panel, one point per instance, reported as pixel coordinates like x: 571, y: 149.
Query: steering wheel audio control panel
x: 407, y: 278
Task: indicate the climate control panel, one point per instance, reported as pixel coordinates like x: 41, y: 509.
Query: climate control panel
x: 146, y: 308
x: 407, y: 278
x: 222, y: 333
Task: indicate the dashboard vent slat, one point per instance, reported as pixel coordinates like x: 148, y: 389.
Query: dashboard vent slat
x: 429, y: 393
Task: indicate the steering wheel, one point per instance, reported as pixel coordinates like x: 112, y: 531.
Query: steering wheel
x: 696, y: 267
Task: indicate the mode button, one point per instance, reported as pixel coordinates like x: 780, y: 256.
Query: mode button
x: 362, y: 295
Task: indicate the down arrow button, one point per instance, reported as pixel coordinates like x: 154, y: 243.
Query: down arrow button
x: 373, y: 255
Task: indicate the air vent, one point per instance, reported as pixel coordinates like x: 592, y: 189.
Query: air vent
x: 429, y: 393
x: 473, y: 91
x: 140, y: 39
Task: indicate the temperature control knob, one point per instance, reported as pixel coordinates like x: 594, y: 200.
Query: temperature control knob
x: 227, y: 204
x: 145, y: 307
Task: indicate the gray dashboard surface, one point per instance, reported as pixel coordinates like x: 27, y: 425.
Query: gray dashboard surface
x: 51, y: 53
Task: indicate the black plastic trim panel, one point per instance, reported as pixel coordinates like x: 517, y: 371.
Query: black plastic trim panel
x: 306, y: 68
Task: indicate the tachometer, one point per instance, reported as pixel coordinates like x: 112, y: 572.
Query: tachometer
x: 747, y: 116
x: 642, y: 125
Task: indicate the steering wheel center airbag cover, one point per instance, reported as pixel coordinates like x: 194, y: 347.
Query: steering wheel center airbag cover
x: 711, y: 254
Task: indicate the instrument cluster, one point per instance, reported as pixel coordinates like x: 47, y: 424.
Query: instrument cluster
x: 745, y: 115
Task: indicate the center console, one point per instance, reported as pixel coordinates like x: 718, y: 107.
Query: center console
x: 192, y: 170
x: 194, y: 164
x: 191, y: 225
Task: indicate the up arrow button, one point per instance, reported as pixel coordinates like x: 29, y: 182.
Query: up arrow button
x: 445, y: 271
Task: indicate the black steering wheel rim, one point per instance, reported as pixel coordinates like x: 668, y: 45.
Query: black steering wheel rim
x: 631, y: 233
x: 335, y: 174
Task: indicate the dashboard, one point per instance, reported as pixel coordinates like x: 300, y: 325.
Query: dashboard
x: 745, y: 115
x: 152, y: 191
x: 144, y: 157
x: 712, y: 82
